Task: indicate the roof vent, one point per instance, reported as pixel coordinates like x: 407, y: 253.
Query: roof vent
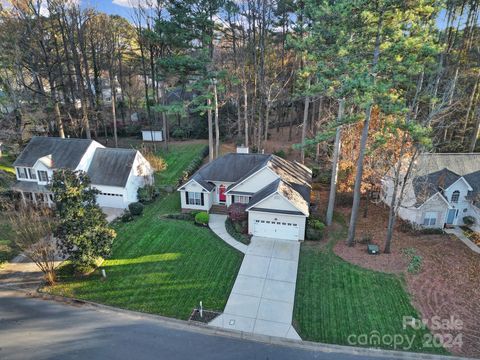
x: 242, y: 149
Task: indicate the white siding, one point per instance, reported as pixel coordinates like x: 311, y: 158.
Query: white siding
x: 141, y: 174
x: 86, y: 160
x: 258, y: 215
x: 276, y: 202
x: 437, y: 205
x: 257, y: 182
x: 193, y: 186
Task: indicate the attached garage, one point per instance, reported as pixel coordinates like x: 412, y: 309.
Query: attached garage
x: 276, y: 225
x: 276, y: 229
x: 114, y: 200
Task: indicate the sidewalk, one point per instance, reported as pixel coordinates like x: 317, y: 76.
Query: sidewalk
x: 217, y: 224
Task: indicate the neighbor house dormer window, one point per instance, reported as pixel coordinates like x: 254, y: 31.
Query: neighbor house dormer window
x: 42, y: 176
x: 22, y: 173
x: 32, y: 174
x: 455, y: 196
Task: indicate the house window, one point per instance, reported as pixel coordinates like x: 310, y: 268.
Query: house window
x: 194, y: 198
x: 22, y: 173
x: 32, y: 174
x: 455, y: 196
x: 241, y: 199
x: 430, y: 219
x: 28, y: 196
x: 42, y: 176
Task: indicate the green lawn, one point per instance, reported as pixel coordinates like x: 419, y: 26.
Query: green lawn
x: 178, y: 158
x: 159, y: 265
x: 335, y: 299
x: 7, y: 251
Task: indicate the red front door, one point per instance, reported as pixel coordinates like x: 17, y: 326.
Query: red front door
x: 221, y: 194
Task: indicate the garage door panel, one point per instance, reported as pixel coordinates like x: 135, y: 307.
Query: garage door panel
x: 277, y: 229
x: 110, y: 200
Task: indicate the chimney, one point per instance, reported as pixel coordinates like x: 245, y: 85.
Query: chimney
x: 242, y: 149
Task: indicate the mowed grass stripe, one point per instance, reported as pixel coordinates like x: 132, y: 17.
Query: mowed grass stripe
x: 335, y: 299
x: 159, y: 265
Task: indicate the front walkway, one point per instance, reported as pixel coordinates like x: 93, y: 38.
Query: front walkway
x: 217, y: 224
x: 459, y: 234
x: 262, y: 298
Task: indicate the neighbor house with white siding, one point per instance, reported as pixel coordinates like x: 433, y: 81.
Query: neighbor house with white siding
x: 276, y: 192
x: 116, y: 173
x: 442, y: 190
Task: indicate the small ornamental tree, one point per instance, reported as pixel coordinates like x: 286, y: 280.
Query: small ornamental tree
x: 237, y: 213
x: 82, y: 232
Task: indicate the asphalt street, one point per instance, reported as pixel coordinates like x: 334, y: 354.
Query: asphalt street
x: 32, y: 328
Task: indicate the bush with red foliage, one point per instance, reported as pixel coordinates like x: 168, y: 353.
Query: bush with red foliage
x: 236, y: 212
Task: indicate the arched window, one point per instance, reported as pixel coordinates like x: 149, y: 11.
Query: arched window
x: 455, y: 196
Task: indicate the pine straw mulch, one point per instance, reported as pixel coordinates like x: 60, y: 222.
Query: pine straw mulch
x: 447, y: 285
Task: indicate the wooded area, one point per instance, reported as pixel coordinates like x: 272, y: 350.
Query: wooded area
x: 367, y: 82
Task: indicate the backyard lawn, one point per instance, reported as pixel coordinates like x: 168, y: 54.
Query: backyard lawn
x: 335, y: 299
x: 160, y: 265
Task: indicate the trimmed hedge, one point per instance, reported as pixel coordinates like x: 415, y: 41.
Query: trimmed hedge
x: 202, y: 218
x: 136, y: 208
x: 234, y: 231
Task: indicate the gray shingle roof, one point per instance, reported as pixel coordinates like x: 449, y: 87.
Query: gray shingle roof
x: 65, y: 153
x: 294, y: 183
x: 426, y: 186
x: 111, y: 167
x: 461, y: 164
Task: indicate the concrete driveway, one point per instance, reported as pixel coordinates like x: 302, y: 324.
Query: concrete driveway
x: 261, y: 301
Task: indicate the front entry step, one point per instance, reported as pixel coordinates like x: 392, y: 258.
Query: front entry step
x: 219, y: 209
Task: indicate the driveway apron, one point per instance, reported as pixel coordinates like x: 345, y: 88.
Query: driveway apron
x: 262, y: 298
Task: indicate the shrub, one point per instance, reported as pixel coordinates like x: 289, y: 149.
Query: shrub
x: 179, y: 133
x: 431, y: 231
x: 237, y: 212
x: 468, y: 220
x: 316, y: 224
x: 415, y: 264
x: 157, y: 163
x: 324, y: 178
x: 136, y: 208
x: 313, y: 234
x: 147, y: 194
x: 236, y: 231
x: 181, y: 216
x: 202, y: 218
x: 126, y: 216
x: 280, y: 153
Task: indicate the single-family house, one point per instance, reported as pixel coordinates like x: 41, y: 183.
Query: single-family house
x: 276, y: 192
x: 116, y: 173
x: 442, y: 190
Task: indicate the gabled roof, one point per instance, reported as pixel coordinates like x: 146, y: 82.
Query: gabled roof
x: 111, y: 167
x: 459, y: 163
x: 287, y: 191
x: 64, y: 153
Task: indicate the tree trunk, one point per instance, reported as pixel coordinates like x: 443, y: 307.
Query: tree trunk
x: 217, y: 129
x: 210, y: 131
x: 245, y: 112
x: 336, y: 156
x: 304, y: 128
x: 363, y: 144
x: 476, y: 130
x: 114, y: 109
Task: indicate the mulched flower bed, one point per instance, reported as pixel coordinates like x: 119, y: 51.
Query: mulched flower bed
x: 207, y: 316
x: 448, y: 283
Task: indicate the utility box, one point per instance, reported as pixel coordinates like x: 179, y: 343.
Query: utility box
x: 373, y: 249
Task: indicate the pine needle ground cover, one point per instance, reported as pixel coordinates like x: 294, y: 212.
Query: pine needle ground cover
x: 159, y: 265
x: 340, y: 303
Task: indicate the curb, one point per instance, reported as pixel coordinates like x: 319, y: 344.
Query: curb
x: 211, y: 330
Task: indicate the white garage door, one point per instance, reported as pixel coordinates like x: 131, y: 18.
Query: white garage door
x: 110, y: 200
x: 276, y: 229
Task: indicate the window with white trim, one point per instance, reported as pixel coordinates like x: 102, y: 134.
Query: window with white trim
x: 42, y: 176
x: 32, y: 174
x: 241, y: 199
x: 455, y: 196
x: 194, y: 198
x: 22, y: 173
x: 430, y: 218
